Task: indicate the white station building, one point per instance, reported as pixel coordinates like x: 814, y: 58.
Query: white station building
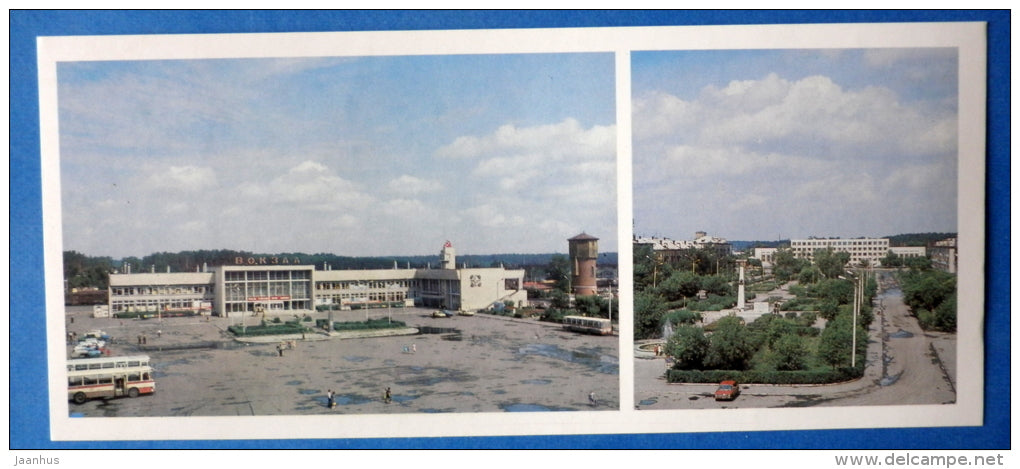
x: 282, y: 285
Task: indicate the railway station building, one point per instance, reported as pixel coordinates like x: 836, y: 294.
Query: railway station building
x: 285, y: 286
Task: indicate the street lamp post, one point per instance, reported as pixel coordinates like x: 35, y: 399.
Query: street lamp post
x: 655, y: 269
x: 244, y: 326
x: 858, y: 294
x: 610, y: 305
x: 857, y: 307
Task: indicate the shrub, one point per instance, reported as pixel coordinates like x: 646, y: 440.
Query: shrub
x: 766, y: 377
x: 682, y: 316
x: 553, y: 315
x: 266, y: 330
x: 381, y: 323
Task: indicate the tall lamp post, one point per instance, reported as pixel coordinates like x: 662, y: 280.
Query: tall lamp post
x: 858, y: 299
x: 655, y: 269
x: 237, y: 294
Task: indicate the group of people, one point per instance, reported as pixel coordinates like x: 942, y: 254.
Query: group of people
x: 285, y: 345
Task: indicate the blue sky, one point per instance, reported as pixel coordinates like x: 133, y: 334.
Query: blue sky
x: 351, y: 155
x: 769, y: 144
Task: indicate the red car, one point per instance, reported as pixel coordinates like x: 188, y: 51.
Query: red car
x: 727, y: 391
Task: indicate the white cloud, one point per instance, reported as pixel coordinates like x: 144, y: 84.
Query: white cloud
x: 492, y: 216
x: 313, y: 185
x: 554, y: 179
x: 563, y: 139
x: 186, y: 178
x: 410, y: 185
x: 405, y: 209
x: 813, y: 113
x: 806, y: 154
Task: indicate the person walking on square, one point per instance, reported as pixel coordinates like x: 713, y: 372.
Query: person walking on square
x: 591, y: 399
x: 330, y: 400
x: 387, y: 397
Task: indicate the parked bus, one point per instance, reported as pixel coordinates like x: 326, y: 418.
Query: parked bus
x: 589, y: 325
x: 90, y: 378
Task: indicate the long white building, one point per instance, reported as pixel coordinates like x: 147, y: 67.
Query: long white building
x: 284, y: 285
x: 869, y: 249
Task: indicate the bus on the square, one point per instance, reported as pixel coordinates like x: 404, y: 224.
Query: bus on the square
x: 106, y: 377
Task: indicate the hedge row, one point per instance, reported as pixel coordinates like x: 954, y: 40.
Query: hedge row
x: 765, y: 377
x: 394, y: 304
x: 380, y: 323
x: 286, y: 328
x: 151, y: 315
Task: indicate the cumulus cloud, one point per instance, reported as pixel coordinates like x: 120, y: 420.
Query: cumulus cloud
x: 811, y: 145
x: 314, y: 185
x: 563, y: 170
x: 566, y: 139
x: 813, y: 114
x: 410, y: 185
x: 492, y: 216
x: 186, y: 178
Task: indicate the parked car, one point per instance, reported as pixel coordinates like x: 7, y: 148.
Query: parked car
x: 79, y: 352
x: 96, y: 334
x: 442, y: 314
x: 727, y: 391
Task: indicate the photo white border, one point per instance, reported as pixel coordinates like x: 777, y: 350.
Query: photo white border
x: 968, y: 37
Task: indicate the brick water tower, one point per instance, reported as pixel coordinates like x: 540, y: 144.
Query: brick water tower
x: 584, y: 251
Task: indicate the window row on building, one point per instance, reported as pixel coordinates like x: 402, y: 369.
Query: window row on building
x: 229, y: 289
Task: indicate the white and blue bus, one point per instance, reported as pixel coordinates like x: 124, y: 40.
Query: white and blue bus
x: 588, y: 325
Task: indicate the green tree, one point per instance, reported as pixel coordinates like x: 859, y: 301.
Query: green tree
x: 927, y: 289
x: 681, y: 284
x: 731, y: 345
x: 809, y: 274
x: 828, y: 309
x: 82, y: 271
x: 688, y: 345
x: 716, y: 285
x: 778, y: 328
x: 682, y: 316
x: 646, y: 267
x: 786, y: 265
x: 648, y: 312
x: 831, y: 263
x: 945, y: 314
x: 559, y: 271
x: 789, y: 353
x: 834, y: 344
x: 590, y: 305
x: 917, y: 263
x: 891, y: 260
x: 839, y: 290
x: 559, y: 300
